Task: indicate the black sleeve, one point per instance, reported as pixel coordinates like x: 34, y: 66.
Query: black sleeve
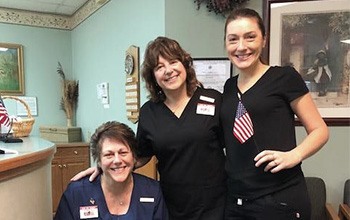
x: 144, y: 147
x: 294, y: 85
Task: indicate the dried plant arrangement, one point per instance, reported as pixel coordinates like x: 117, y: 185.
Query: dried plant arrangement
x: 70, y: 93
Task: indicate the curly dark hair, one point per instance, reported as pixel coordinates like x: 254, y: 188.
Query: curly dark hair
x: 115, y: 131
x: 169, y: 49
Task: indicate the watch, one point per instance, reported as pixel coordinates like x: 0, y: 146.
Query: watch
x: 129, y: 64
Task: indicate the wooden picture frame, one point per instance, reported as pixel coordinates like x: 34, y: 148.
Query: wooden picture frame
x: 213, y: 72
x: 308, y: 29
x: 11, y: 69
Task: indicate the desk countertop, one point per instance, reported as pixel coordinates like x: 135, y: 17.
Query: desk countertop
x: 26, y: 174
x: 30, y: 151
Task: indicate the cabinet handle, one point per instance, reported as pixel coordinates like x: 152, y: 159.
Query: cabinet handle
x: 64, y: 165
x: 60, y: 166
x: 76, y: 152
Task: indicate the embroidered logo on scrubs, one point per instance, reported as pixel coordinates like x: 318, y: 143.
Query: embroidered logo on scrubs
x: 205, y: 109
x: 87, y: 212
x: 146, y: 199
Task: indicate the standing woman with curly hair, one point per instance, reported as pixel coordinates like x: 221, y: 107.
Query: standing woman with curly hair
x: 180, y: 126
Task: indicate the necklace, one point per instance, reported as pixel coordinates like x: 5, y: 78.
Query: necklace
x: 180, y: 106
x: 112, y: 197
x: 175, y: 109
x: 123, y: 200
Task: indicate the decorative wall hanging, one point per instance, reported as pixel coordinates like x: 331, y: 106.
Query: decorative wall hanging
x: 221, y: 6
x: 132, y: 85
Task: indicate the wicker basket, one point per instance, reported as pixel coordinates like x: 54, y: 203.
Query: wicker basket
x: 24, y: 127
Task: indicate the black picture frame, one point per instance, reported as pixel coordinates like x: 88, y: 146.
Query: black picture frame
x: 267, y: 5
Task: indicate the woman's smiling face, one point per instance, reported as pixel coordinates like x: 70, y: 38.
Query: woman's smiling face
x: 244, y: 42
x: 117, y: 160
x: 170, y: 74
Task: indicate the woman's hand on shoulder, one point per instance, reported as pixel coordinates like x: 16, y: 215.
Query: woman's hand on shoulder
x: 93, y: 171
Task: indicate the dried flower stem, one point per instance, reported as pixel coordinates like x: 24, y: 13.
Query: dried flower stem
x: 70, y: 93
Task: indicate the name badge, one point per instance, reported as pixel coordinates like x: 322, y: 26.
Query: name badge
x: 205, y: 109
x: 207, y: 99
x: 87, y: 212
x: 146, y: 199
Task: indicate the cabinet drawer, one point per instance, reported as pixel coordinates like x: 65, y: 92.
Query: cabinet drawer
x: 78, y: 152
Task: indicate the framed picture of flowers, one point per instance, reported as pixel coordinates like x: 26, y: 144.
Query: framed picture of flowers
x: 11, y: 69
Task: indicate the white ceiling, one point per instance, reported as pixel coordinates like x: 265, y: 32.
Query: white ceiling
x: 60, y: 7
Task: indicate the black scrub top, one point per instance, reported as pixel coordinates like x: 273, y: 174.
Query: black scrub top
x: 268, y: 104
x: 189, y: 151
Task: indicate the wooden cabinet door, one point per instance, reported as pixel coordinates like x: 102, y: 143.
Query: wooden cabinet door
x: 71, y: 167
x: 57, y: 190
x: 70, y: 159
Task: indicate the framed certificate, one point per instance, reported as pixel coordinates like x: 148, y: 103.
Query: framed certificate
x: 213, y: 72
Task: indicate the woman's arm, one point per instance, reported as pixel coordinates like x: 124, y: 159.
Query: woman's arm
x: 317, y: 136
x: 65, y: 209
x: 316, y: 129
x: 160, y: 210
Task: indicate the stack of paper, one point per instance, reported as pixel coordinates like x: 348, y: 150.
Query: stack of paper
x: 7, y: 151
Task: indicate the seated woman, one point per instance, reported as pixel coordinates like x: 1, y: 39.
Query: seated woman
x: 117, y: 193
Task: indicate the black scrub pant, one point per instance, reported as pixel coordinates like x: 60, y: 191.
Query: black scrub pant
x: 290, y: 203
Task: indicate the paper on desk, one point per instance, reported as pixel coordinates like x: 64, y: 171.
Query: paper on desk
x: 7, y: 151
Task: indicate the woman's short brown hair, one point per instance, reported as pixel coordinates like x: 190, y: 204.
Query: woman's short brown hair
x: 115, y: 131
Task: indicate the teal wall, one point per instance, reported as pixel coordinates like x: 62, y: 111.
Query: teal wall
x: 42, y: 49
x: 94, y: 52
x: 199, y: 32
x: 205, y: 29
x: 98, y: 48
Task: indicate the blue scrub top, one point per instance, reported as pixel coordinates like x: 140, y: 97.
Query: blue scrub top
x: 146, y: 200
